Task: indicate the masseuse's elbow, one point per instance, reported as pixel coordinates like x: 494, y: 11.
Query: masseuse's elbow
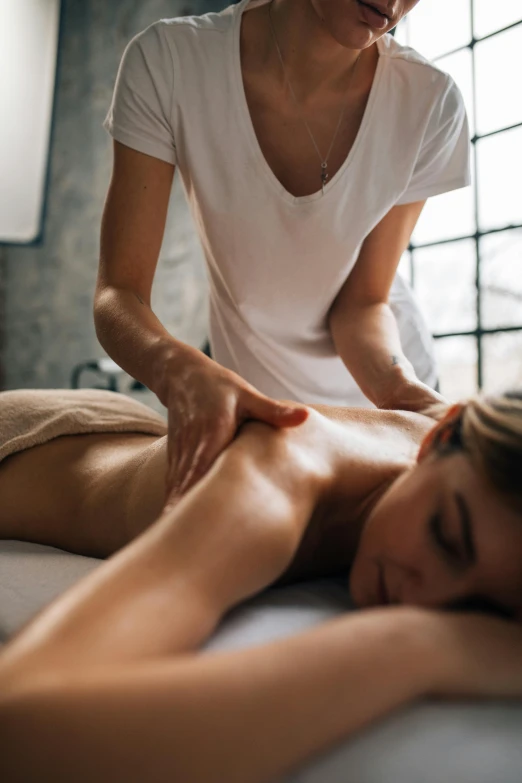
x: 102, y: 297
x: 344, y: 319
x: 103, y: 307
x: 347, y: 315
x: 107, y: 308
x: 106, y: 295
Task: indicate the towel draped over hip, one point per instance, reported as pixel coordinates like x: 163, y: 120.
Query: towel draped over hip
x: 31, y: 417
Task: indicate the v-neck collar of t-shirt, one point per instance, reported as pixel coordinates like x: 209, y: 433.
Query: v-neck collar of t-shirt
x: 251, y: 135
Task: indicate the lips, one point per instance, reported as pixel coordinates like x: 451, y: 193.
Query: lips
x: 373, y: 15
x: 376, y: 7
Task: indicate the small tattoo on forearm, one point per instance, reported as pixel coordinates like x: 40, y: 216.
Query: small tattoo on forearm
x: 394, y: 360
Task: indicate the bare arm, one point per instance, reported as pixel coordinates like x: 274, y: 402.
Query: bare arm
x: 250, y: 716
x: 240, y: 717
x: 101, y: 686
x: 132, y: 230
x: 91, y: 686
x: 206, y: 403
x: 363, y: 326
x: 229, y: 537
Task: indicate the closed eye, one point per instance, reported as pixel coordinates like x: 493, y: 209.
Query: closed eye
x: 441, y: 541
x: 466, y: 529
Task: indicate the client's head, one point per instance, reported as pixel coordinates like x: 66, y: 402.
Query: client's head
x: 448, y: 532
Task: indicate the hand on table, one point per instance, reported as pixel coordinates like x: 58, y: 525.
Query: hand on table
x: 206, y: 405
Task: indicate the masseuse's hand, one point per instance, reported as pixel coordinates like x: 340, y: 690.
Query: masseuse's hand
x: 206, y: 406
x: 412, y: 395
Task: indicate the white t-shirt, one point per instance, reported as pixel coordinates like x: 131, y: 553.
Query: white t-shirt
x: 277, y: 262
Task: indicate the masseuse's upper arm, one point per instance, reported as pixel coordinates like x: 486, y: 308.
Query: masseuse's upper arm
x: 134, y: 220
x: 370, y: 280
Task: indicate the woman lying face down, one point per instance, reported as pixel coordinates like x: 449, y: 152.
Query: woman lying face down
x: 117, y: 654
x: 448, y: 532
x: 431, y: 525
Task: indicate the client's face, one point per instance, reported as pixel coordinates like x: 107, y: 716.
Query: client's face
x: 440, y: 535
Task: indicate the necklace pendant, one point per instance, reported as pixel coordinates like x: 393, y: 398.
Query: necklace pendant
x: 324, y: 175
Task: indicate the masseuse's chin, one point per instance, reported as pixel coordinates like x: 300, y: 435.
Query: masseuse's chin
x: 359, y: 37
x: 363, y: 29
x: 354, y: 33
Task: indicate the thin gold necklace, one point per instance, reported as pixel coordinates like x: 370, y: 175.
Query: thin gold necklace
x: 324, y: 161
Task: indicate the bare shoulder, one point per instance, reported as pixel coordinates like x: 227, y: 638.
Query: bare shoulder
x: 289, y: 453
x: 403, y: 423
x: 314, y: 445
x: 338, y: 455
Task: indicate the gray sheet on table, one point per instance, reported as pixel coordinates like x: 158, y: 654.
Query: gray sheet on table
x: 425, y: 743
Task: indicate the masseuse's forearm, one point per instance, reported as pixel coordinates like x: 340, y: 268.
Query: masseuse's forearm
x: 135, y: 338
x: 367, y: 339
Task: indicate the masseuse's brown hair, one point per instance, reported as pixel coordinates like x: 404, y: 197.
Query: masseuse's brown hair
x: 489, y: 430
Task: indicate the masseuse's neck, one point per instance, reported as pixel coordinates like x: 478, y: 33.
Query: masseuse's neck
x: 312, y: 57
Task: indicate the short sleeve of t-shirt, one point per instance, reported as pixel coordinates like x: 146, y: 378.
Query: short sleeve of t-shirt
x: 140, y: 113
x: 443, y: 163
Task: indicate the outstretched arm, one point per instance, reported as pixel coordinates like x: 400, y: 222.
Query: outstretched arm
x: 244, y: 717
x: 93, y: 690
x: 164, y: 593
x: 248, y: 716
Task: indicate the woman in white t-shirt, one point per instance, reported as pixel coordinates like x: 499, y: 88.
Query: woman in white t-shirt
x: 307, y: 141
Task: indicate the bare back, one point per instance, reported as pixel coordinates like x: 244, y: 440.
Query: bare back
x: 88, y: 494
x: 92, y: 494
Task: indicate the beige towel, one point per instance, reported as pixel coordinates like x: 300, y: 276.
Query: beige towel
x: 35, y: 416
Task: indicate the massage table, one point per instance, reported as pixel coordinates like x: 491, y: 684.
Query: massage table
x: 429, y: 742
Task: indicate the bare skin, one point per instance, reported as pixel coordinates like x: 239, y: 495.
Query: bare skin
x: 115, y: 657
x: 279, y: 128
x: 321, y: 41
x: 113, y: 486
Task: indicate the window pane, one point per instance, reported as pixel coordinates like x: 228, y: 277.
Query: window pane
x: 502, y: 358
x: 499, y: 160
x: 448, y: 216
x: 439, y: 26
x: 491, y: 16
x: 404, y: 268
x: 401, y: 31
x: 457, y: 361
x: 501, y: 279
x: 445, y: 286
x: 498, y: 67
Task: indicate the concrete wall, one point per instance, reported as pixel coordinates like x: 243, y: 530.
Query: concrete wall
x: 47, y: 320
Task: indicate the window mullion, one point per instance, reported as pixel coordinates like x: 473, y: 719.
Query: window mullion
x: 478, y: 292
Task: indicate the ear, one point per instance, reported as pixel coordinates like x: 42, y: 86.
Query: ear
x: 443, y: 432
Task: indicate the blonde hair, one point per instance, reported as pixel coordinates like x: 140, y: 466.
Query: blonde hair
x: 489, y: 430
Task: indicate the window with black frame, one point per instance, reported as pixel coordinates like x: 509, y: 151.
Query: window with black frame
x: 465, y: 258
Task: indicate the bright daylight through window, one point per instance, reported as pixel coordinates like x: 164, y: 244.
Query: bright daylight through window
x: 465, y: 259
